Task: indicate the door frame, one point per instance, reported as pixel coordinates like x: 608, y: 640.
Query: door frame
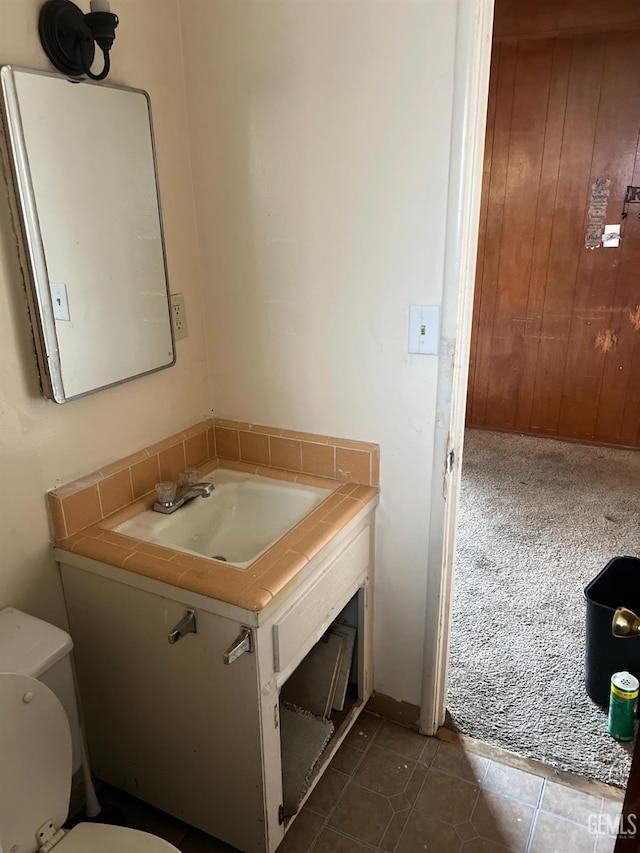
x: 470, y: 96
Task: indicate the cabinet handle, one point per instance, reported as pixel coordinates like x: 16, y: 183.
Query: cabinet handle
x: 242, y: 643
x: 187, y: 625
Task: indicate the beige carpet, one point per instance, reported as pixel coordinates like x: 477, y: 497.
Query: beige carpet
x: 538, y: 520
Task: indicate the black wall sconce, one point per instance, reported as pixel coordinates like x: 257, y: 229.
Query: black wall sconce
x: 68, y: 36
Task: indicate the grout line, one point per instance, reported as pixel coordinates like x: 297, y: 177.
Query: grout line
x: 536, y: 812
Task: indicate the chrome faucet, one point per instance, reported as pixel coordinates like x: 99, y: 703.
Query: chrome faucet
x: 171, y: 496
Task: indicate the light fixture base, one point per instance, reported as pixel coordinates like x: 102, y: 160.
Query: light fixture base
x: 65, y: 37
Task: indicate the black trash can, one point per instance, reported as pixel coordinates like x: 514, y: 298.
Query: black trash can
x: 617, y: 585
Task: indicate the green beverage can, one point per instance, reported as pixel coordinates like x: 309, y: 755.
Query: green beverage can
x: 623, y: 699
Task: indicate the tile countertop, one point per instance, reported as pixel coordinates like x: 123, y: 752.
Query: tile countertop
x: 252, y: 588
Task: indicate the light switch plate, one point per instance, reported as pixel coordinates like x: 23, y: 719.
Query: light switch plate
x: 424, y: 329
x: 59, y: 301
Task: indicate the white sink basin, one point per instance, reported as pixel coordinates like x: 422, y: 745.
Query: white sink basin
x: 243, y: 517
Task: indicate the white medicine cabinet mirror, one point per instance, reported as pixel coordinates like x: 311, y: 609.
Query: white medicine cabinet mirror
x: 84, y: 168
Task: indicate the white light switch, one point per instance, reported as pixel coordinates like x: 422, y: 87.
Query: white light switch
x: 424, y: 329
x: 59, y: 301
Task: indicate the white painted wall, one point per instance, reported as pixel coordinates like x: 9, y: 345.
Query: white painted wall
x: 320, y: 134
x: 43, y: 444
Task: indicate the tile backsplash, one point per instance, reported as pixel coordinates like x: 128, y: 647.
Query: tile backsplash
x: 95, y: 496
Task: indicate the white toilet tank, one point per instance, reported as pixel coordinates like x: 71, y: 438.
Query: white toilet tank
x: 29, y: 646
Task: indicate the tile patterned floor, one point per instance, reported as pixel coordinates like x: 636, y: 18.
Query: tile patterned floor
x: 391, y: 790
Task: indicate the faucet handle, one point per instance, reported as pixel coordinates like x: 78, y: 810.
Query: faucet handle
x: 189, y: 477
x: 166, y: 492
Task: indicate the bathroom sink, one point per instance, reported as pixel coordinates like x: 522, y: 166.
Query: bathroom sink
x: 243, y: 516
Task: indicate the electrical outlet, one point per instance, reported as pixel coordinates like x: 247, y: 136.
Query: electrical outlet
x: 179, y: 316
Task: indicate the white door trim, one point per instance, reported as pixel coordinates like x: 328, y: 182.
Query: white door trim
x: 471, y: 85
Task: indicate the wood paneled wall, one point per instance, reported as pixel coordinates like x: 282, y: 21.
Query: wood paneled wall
x: 556, y: 328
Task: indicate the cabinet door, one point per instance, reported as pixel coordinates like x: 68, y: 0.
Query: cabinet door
x: 169, y: 723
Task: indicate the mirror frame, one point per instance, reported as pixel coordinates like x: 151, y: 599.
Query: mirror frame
x: 38, y: 290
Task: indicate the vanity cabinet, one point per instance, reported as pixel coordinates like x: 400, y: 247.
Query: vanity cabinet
x: 175, y: 725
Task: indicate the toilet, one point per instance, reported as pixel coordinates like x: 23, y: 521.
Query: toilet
x: 35, y: 780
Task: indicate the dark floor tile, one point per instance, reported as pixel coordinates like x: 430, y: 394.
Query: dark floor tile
x: 423, y: 832
x: 446, y: 797
x: 394, y: 831
x: 362, y: 814
x: 384, y: 772
x: 198, y: 842
x: 346, y: 758
x: 302, y: 833
x: 401, y: 740
x: 363, y: 731
x: 332, y: 842
x: 327, y: 792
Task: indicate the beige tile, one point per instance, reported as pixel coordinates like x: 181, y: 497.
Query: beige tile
x: 346, y: 759
x: 426, y: 833
x: 375, y: 467
x: 554, y: 835
x: 302, y: 833
x: 363, y: 731
x: 228, y: 424
x: 153, y: 567
x: 502, y: 821
x: 327, y: 792
x: 171, y: 462
x: 384, y: 772
x: 197, y: 842
x: 227, y: 443
x: 277, y: 474
x: 144, y: 476
x: 513, y: 783
x: 152, y: 550
x: 446, y: 797
x: 455, y: 759
x: 318, y: 459
x: 362, y: 814
x: 401, y: 740
x: 106, y: 552
x: 309, y: 543
x: 115, y: 492
x: 343, y: 512
x: 305, y: 436
x: 333, y: 842
x: 353, y: 465
x: 254, y: 598
x: 254, y: 448
x: 569, y: 803
x: 82, y: 509
x: 196, y: 429
x: 286, y: 453
x: 57, y: 517
x: 211, y: 441
x: 394, y: 831
x: 196, y: 450
x: 265, y: 430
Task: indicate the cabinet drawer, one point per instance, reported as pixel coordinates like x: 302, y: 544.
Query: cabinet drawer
x: 320, y: 604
